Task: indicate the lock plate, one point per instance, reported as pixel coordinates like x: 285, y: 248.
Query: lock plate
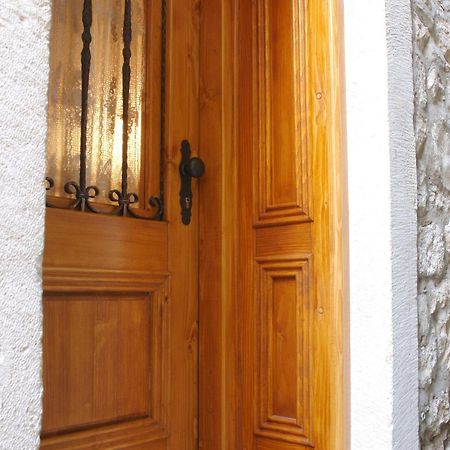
x: 189, y: 168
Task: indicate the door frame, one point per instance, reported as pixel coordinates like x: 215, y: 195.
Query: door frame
x: 219, y: 332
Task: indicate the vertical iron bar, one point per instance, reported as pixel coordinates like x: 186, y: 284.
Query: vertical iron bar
x: 85, y: 71
x: 126, y: 73
x: 163, y: 105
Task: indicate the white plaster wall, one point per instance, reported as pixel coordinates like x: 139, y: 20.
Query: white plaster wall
x: 432, y: 120
x: 24, y: 27
x: 382, y: 200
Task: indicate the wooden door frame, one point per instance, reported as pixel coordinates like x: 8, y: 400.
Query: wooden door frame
x: 218, y: 409
x: 219, y: 347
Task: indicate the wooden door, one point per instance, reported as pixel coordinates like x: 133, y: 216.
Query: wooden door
x: 290, y: 230
x: 120, y: 294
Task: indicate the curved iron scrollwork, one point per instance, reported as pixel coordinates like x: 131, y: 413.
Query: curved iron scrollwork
x: 82, y: 195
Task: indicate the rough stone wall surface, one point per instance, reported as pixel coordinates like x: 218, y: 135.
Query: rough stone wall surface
x: 24, y: 29
x: 432, y: 123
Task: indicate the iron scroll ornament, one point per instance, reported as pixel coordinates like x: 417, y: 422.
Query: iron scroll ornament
x: 82, y: 193
x: 189, y: 168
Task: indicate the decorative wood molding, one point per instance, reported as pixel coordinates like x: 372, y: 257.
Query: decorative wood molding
x: 139, y: 430
x: 67, y: 279
x: 282, y: 163
x: 298, y: 229
x: 283, y: 336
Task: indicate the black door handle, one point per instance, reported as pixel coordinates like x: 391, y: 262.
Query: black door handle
x: 194, y: 168
x: 189, y: 168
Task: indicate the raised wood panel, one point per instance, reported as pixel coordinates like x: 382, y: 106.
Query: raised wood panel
x: 97, y: 356
x: 141, y: 434
x: 282, y: 164
x: 105, y: 359
x: 284, y: 350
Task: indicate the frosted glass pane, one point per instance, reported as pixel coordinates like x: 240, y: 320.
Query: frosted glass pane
x: 104, y: 141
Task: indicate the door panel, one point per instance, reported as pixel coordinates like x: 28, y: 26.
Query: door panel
x: 120, y: 294
x: 125, y: 244
x: 106, y: 331
x: 290, y: 256
x: 283, y: 344
x: 282, y: 165
x: 94, y: 340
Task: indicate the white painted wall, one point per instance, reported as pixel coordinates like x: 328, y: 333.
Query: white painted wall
x: 382, y: 200
x: 24, y: 26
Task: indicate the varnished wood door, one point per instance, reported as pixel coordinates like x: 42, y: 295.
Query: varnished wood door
x: 263, y: 102
x: 291, y: 188
x: 120, y: 296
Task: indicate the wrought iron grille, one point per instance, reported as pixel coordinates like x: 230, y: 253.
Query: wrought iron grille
x: 81, y: 192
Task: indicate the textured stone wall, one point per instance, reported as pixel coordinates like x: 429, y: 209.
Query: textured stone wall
x: 432, y: 124
x: 24, y: 27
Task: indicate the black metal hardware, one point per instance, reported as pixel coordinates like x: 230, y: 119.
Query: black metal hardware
x: 162, y: 135
x: 124, y: 199
x: 189, y: 168
x: 82, y: 192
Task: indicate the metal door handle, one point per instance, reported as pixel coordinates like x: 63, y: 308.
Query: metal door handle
x: 189, y: 168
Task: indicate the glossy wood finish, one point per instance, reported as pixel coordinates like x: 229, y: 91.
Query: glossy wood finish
x: 263, y: 106
x: 290, y: 248
x: 218, y: 413
x: 183, y: 243
x: 280, y: 67
x: 283, y: 340
x: 106, y: 332
x: 105, y: 329
x: 120, y: 302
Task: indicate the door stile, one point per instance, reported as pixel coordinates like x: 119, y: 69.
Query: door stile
x: 326, y: 103
x: 182, y: 122
x: 219, y: 420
